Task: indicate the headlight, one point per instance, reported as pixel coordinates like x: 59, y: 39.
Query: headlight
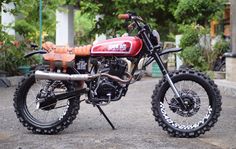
x: 157, y: 36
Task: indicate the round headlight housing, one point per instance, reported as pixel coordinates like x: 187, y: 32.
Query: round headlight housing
x: 156, y: 37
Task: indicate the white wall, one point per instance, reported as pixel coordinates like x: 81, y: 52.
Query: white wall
x: 179, y: 62
x: 65, y: 26
x: 7, y: 18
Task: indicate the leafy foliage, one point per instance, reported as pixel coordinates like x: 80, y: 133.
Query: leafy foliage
x: 221, y: 47
x: 194, y: 54
x: 12, y: 57
x: 200, y: 11
x: 27, y: 24
x: 163, y: 15
x: 4, y: 37
x: 25, y: 29
x: 158, y: 13
x: 189, y: 37
x: 84, y: 23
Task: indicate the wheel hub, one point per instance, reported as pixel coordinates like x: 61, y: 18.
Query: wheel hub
x: 191, y: 102
x: 43, y: 101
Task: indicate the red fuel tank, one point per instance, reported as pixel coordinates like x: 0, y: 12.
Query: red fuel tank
x: 122, y: 46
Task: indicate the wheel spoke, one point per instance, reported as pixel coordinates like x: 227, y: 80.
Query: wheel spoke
x: 193, y: 90
x: 51, y: 116
x: 196, y: 92
x: 59, y: 107
x: 33, y: 102
x: 190, y: 88
x: 45, y: 118
x: 43, y: 114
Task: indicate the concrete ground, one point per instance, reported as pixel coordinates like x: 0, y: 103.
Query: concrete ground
x: 132, y: 117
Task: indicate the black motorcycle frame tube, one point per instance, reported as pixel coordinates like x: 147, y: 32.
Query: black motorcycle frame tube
x: 132, y: 73
x: 152, y: 51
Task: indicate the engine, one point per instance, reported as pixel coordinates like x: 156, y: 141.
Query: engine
x: 106, y: 89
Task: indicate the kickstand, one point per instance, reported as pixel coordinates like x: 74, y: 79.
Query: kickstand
x: 101, y: 111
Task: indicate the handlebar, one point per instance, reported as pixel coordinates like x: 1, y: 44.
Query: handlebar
x: 124, y: 16
x: 137, y: 21
x: 130, y: 16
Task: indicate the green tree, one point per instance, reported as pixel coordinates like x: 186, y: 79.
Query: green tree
x: 27, y: 12
x: 193, y: 55
x: 158, y: 13
x: 164, y: 15
x: 83, y: 25
x: 27, y: 23
x: 199, y: 11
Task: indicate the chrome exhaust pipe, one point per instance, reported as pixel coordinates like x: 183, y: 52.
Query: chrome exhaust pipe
x: 41, y: 75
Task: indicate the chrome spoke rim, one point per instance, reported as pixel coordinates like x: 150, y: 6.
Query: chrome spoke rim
x: 40, y: 114
x: 191, y: 88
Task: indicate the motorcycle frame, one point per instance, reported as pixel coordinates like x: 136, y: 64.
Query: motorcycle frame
x: 152, y: 51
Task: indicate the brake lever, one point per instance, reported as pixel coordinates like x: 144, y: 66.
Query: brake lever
x: 125, y: 25
x: 131, y: 26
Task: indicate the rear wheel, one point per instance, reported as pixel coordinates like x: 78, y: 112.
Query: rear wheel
x: 200, y: 96
x: 49, y: 116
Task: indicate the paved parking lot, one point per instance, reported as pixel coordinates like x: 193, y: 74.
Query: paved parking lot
x: 132, y: 117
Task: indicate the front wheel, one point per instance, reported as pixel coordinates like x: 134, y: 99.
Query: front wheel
x: 200, y: 96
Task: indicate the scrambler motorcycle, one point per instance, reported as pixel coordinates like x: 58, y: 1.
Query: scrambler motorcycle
x: 185, y: 103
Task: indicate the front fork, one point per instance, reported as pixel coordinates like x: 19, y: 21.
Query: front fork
x: 167, y: 76
x: 152, y: 50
